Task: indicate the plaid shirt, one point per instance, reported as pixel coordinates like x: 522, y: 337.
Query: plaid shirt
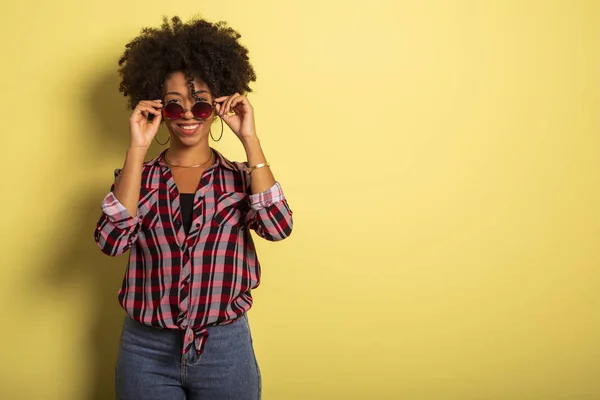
x: 190, y: 282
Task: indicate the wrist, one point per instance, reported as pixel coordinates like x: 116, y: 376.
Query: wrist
x: 251, y: 143
x: 254, y: 152
x: 136, y: 153
x: 250, y: 140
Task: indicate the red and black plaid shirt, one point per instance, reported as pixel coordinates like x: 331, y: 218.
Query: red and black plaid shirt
x: 189, y: 282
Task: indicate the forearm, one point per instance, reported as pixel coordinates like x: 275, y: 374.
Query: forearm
x: 262, y: 178
x: 127, y: 187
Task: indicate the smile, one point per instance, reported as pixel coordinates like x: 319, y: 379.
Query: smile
x: 189, y: 129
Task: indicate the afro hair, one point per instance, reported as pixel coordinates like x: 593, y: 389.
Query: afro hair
x: 198, y: 48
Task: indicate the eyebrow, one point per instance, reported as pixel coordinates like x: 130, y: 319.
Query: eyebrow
x: 179, y: 94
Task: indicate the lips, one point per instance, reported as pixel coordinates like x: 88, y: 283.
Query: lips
x: 189, y: 129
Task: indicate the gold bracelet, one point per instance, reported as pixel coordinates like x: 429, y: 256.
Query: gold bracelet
x: 257, y: 166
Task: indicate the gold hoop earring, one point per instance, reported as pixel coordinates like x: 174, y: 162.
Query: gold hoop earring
x: 220, y: 136
x: 162, y: 144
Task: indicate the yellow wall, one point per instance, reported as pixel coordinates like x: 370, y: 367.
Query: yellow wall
x: 441, y: 158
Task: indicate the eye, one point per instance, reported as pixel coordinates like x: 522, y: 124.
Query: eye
x: 173, y: 101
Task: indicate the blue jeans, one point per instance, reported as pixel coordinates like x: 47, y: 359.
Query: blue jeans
x: 150, y: 365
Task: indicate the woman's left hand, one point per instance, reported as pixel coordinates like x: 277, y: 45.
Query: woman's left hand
x: 238, y: 114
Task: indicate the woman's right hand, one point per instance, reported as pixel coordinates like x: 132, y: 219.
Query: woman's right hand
x: 141, y: 129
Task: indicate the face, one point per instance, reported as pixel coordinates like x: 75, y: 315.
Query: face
x: 188, y: 131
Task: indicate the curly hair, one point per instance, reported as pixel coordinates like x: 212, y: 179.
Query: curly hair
x: 209, y: 51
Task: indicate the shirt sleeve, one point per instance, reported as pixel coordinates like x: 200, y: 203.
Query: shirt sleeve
x: 116, y: 229
x: 117, y: 214
x: 270, y: 215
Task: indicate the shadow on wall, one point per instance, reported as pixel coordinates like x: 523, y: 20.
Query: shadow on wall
x: 76, y: 255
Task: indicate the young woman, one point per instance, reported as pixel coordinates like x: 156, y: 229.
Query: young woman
x: 186, y: 215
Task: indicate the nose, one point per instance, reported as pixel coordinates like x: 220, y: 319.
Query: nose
x: 187, y: 114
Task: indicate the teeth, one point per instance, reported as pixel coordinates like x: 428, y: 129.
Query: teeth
x: 189, y: 127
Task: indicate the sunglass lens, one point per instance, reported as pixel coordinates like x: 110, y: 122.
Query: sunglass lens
x: 202, y: 110
x: 173, y: 111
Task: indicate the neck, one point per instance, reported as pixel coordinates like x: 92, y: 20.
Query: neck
x: 185, y: 155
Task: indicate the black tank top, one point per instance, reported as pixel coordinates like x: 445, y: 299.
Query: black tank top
x: 187, y: 208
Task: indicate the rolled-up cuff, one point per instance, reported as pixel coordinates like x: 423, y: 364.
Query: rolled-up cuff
x: 117, y: 213
x: 267, y: 198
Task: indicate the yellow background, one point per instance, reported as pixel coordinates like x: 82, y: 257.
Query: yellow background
x: 441, y: 159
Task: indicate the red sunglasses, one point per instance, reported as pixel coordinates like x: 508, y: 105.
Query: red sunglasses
x: 200, y: 109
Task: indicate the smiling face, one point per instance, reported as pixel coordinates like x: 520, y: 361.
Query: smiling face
x: 188, y: 130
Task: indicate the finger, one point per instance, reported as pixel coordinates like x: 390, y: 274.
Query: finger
x: 157, y: 102
x: 229, y: 121
x: 227, y: 105
x: 220, y: 103
x: 156, y: 121
x: 152, y: 110
x: 234, y: 99
x: 149, y: 104
x: 154, y: 104
x: 227, y: 118
x: 143, y: 107
x: 222, y: 98
x: 137, y: 113
x: 145, y: 110
x: 240, y: 103
x: 235, y: 109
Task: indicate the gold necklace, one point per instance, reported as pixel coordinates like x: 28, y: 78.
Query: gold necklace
x: 171, y: 163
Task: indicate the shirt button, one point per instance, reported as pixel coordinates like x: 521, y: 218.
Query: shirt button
x: 197, y: 225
